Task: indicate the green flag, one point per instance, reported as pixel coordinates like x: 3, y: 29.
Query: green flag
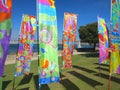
x: 48, y: 42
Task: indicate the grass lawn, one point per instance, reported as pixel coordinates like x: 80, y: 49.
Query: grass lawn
x: 83, y: 76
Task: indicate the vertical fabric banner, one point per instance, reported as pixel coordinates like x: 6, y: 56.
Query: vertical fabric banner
x: 115, y: 38
x: 5, y: 31
x: 103, y: 41
x: 48, y: 42
x: 69, y: 38
x: 26, y: 42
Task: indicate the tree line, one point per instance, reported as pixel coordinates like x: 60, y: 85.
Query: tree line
x: 89, y: 34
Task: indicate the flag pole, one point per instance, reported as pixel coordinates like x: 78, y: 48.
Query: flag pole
x: 13, y: 83
x: 0, y: 83
x: 14, y: 77
x: 62, y: 46
x: 63, y: 39
x: 74, y: 33
x: 37, y: 27
x: 62, y: 49
x: 99, y: 70
x: 109, y: 44
x: 99, y: 50
x: 109, y: 81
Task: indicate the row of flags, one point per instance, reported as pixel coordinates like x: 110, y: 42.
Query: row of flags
x: 48, y: 43
x: 114, y: 43
x: 47, y: 23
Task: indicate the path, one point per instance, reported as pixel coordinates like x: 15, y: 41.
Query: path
x: 12, y: 57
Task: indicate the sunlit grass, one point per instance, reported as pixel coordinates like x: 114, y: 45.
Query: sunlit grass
x: 84, y: 75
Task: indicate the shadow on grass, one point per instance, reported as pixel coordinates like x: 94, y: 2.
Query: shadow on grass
x: 106, y: 65
x: 43, y: 87
x: 62, y: 76
x: 26, y: 79
x: 4, y: 76
x: 84, y: 69
x: 101, y: 68
x: 117, y: 80
x: 85, y: 49
x: 69, y: 85
x: 5, y: 84
x: 89, y: 81
x: 91, y: 55
x: 24, y: 88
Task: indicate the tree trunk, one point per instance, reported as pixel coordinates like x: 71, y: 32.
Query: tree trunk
x: 94, y: 47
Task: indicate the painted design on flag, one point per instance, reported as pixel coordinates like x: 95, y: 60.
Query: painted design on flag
x: 48, y: 42
x: 26, y: 42
x: 115, y: 38
x: 70, y: 24
x: 103, y: 41
x: 5, y: 31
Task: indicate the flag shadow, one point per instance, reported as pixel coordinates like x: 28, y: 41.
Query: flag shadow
x: 117, y: 80
x: 43, y: 87
x: 4, y: 76
x: 24, y: 88
x: 84, y: 69
x: 107, y: 65
x: 85, y: 49
x: 68, y: 85
x: 5, y: 84
x: 26, y: 79
x: 61, y: 76
x: 104, y: 69
x: 89, y: 81
x: 91, y: 55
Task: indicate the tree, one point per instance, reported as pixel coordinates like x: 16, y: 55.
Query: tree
x: 89, y: 34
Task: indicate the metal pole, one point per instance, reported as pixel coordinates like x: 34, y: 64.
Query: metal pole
x: 99, y: 49
x: 99, y: 70
x: 13, y: 83
x: 0, y: 83
x: 62, y: 43
x: 37, y: 27
x: 16, y: 55
x: 109, y: 82
x: 109, y: 43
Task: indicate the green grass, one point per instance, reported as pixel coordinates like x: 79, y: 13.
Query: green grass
x: 84, y: 75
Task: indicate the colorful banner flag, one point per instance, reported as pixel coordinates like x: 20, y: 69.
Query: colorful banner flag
x: 69, y: 38
x: 5, y: 31
x: 103, y: 41
x: 115, y: 38
x: 26, y: 42
x: 48, y: 42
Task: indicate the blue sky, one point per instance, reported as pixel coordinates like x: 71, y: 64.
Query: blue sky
x: 87, y: 11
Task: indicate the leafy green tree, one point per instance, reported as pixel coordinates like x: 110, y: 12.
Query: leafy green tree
x: 89, y: 34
